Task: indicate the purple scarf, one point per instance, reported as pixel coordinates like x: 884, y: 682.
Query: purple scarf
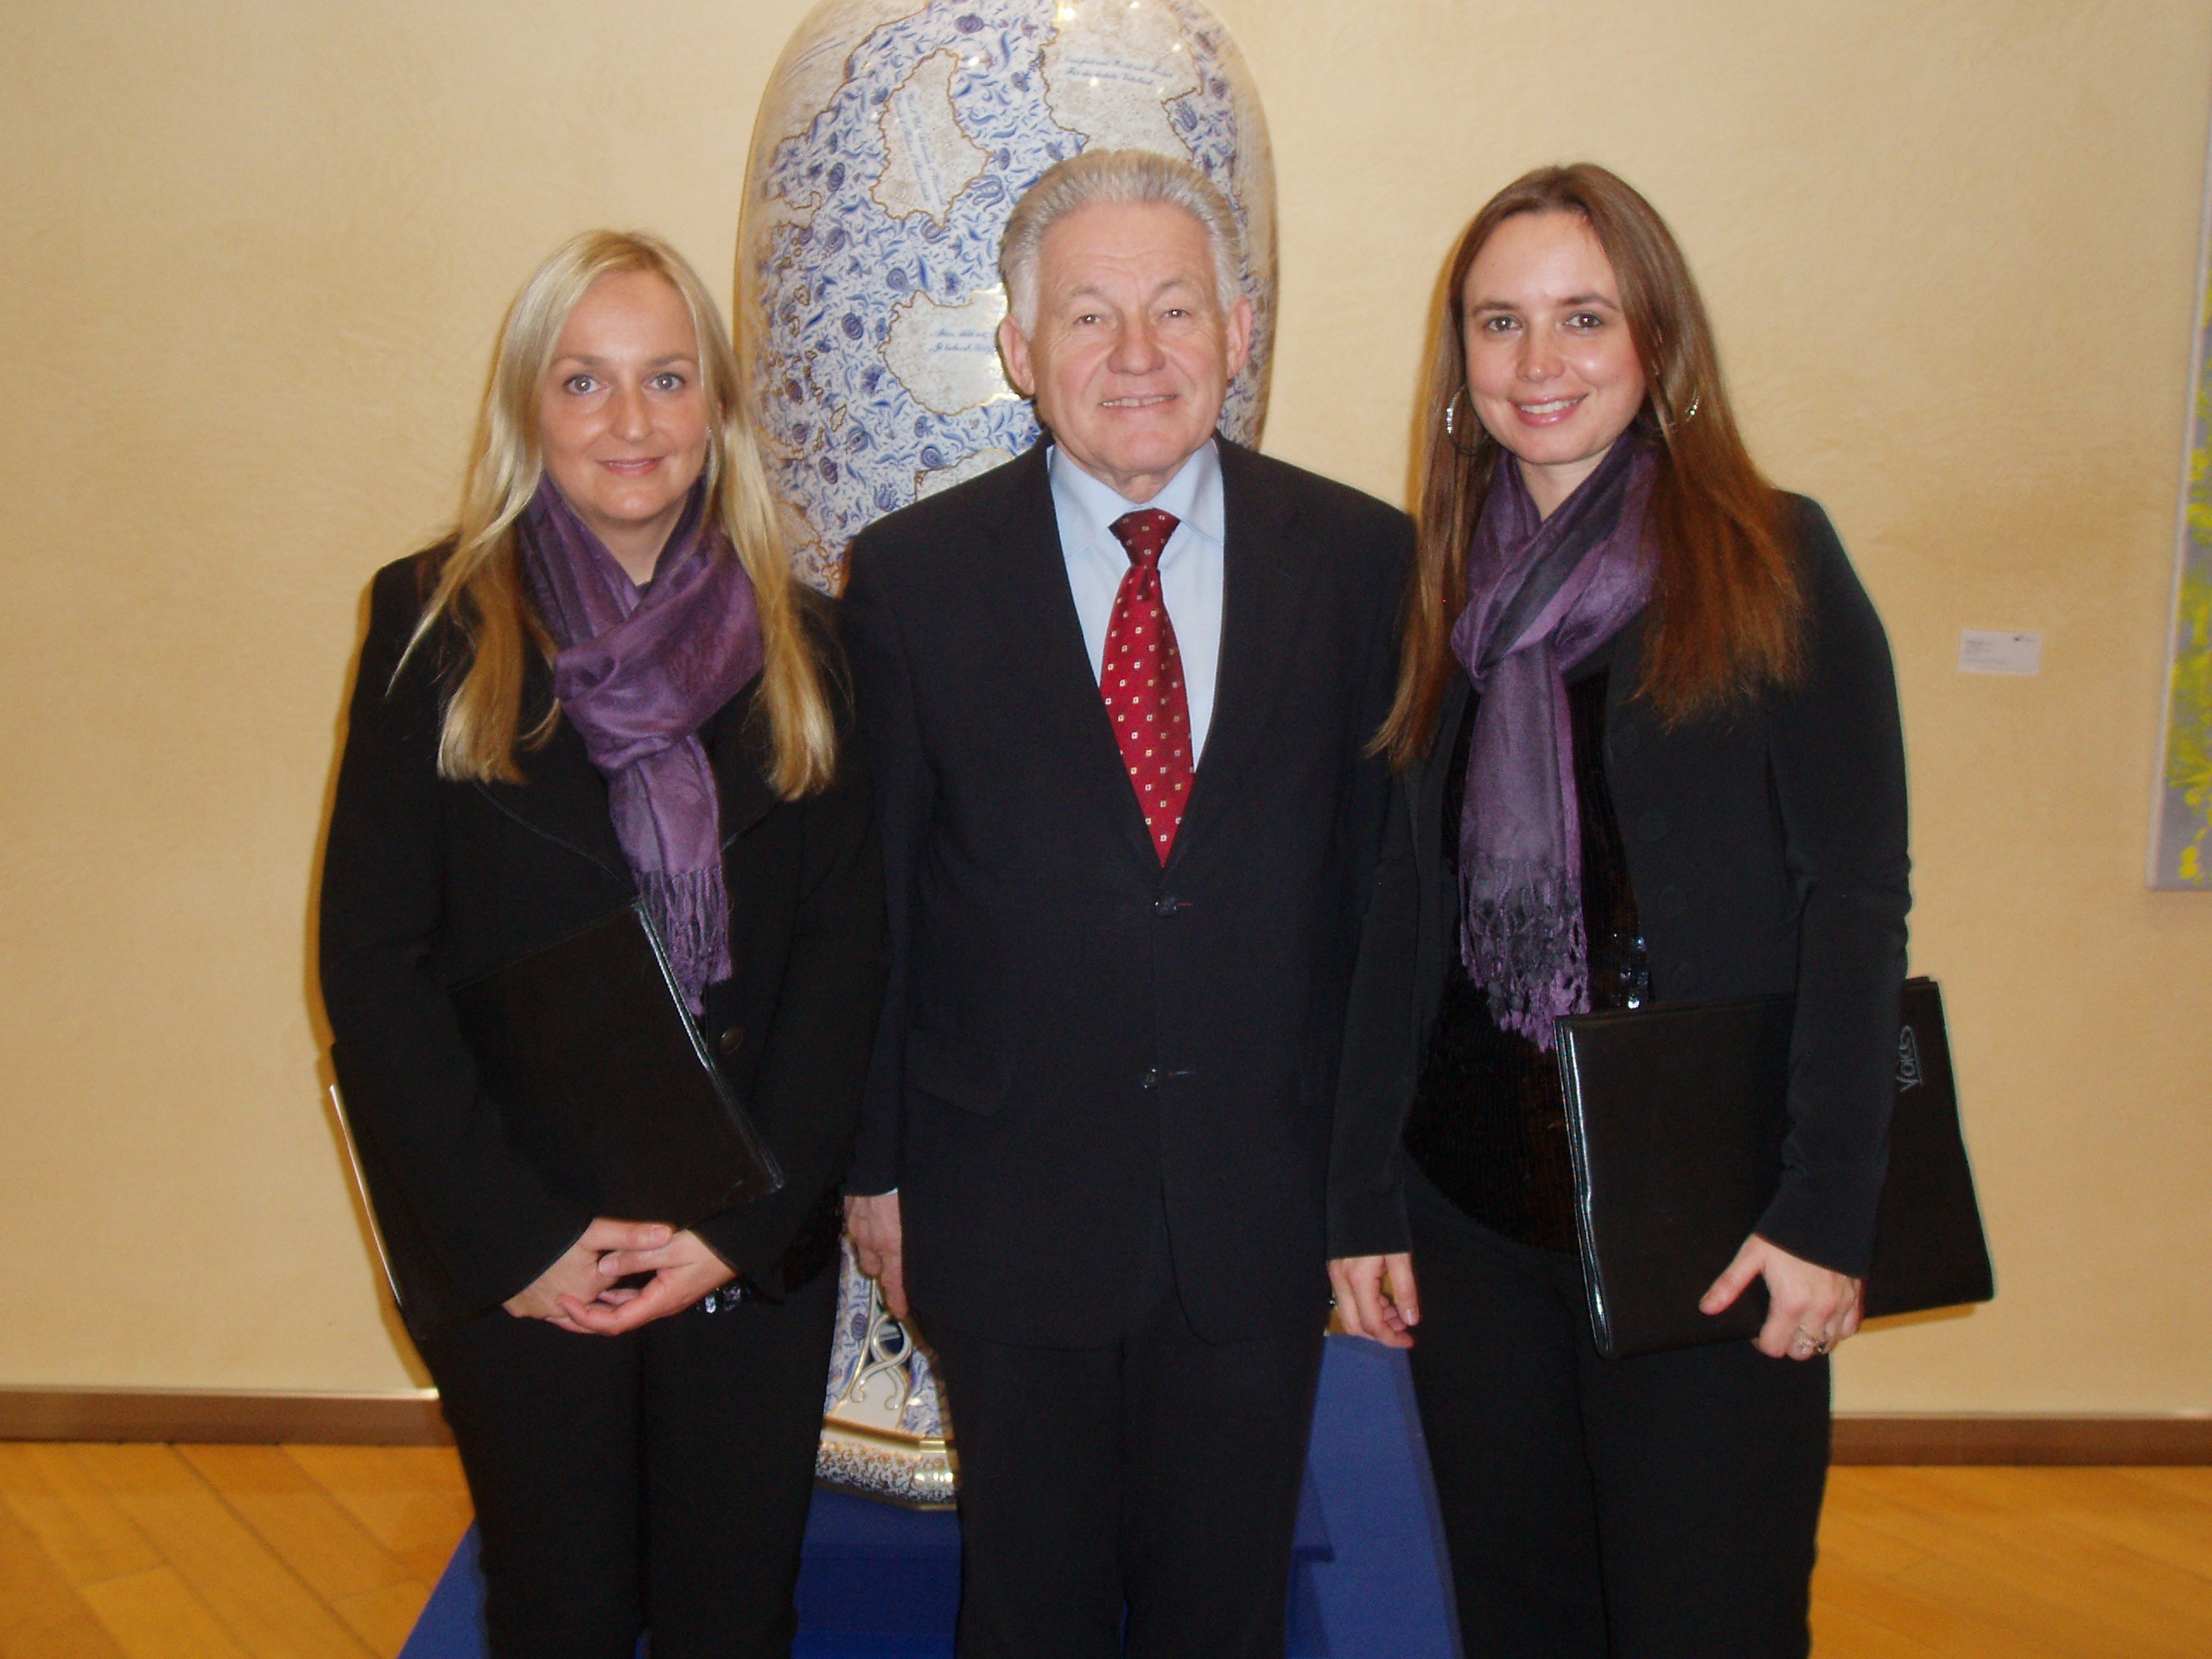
x: 639, y: 672
x: 1542, y: 594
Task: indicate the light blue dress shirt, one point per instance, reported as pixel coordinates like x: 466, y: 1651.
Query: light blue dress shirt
x: 1190, y: 566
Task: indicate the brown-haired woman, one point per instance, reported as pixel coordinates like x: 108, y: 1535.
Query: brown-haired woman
x: 1648, y: 733
x: 606, y: 687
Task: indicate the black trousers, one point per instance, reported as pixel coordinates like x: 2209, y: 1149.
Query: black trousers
x: 1643, y: 1509
x: 1154, y: 1480
x: 659, y: 1479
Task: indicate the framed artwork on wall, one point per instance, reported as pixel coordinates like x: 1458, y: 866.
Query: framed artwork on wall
x: 2181, y: 827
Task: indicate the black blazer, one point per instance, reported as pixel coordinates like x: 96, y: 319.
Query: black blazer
x: 1766, y: 849
x: 1074, y: 1034
x: 427, y: 883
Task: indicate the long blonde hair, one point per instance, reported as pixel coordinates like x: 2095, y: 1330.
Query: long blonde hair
x: 479, y: 584
x: 1726, y: 610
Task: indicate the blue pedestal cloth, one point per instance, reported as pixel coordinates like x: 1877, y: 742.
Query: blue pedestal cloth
x: 1369, y: 1580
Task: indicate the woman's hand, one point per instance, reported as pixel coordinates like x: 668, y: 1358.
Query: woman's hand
x: 683, y: 1271
x: 1375, y: 1297
x: 576, y: 1276
x: 1809, y: 1308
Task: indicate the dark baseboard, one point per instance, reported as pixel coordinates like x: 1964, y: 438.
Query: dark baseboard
x: 1881, y: 1436
x: 223, y: 1415
x: 242, y: 1416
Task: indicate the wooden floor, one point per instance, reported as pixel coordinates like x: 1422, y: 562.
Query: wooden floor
x: 225, y: 1552
x: 2027, y: 1563
x: 237, y: 1552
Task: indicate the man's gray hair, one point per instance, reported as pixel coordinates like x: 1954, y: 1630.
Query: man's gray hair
x: 1115, y: 175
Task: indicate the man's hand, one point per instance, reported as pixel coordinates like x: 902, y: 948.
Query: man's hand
x: 683, y: 1271
x: 576, y: 1276
x: 1375, y: 1297
x: 1809, y: 1308
x: 873, y: 1225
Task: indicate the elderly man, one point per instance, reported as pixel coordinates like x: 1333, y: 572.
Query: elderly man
x: 1118, y: 694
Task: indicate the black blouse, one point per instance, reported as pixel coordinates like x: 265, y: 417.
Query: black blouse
x: 1487, y: 1126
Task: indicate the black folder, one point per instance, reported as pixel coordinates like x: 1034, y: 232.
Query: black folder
x: 1676, y: 1117
x: 604, y: 1083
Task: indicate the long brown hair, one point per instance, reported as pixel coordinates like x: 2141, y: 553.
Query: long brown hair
x: 479, y: 584
x: 1726, y: 610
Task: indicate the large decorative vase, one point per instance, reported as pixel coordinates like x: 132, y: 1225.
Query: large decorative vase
x: 894, y: 137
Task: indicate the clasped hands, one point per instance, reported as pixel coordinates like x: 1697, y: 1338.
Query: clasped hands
x: 1809, y: 1308
x: 581, y: 1291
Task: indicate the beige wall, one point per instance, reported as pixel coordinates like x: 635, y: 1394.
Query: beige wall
x: 251, y: 261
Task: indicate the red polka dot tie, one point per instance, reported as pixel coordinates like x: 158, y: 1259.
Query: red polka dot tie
x: 1142, y: 680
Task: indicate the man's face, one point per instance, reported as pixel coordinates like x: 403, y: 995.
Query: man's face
x: 1132, y: 352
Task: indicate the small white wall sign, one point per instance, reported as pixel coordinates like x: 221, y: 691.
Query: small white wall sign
x: 1985, y: 650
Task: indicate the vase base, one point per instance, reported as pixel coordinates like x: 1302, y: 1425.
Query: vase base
x: 914, y: 1471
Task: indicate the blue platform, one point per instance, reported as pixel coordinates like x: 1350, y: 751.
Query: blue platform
x: 1369, y: 1580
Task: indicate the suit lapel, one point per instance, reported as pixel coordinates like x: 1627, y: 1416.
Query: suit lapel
x: 1264, y: 572
x: 563, y: 797
x: 1022, y: 584
x: 737, y: 747
x: 1625, y: 677
x: 1424, y: 784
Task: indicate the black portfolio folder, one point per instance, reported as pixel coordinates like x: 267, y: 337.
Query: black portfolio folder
x: 604, y: 1083
x: 1676, y: 1117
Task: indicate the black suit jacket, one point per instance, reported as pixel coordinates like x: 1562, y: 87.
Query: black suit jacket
x: 427, y: 883
x: 1074, y: 1034
x: 1766, y: 849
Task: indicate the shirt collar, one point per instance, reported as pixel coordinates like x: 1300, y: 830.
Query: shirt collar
x: 1088, y: 507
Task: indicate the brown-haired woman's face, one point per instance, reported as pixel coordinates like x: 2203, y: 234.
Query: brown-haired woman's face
x: 1551, y: 369
x: 622, y: 415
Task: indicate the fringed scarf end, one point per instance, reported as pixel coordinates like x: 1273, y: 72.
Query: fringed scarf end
x: 692, y: 916
x: 1521, y: 938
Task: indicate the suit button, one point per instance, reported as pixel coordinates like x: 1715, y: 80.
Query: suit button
x: 1166, y: 904
x: 1150, y: 1079
x: 1652, y: 826
x: 731, y: 1041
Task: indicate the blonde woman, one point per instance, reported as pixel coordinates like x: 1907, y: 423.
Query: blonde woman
x: 605, y: 686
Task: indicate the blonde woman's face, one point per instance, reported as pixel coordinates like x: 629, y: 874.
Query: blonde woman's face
x: 622, y: 415
x: 1551, y: 368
